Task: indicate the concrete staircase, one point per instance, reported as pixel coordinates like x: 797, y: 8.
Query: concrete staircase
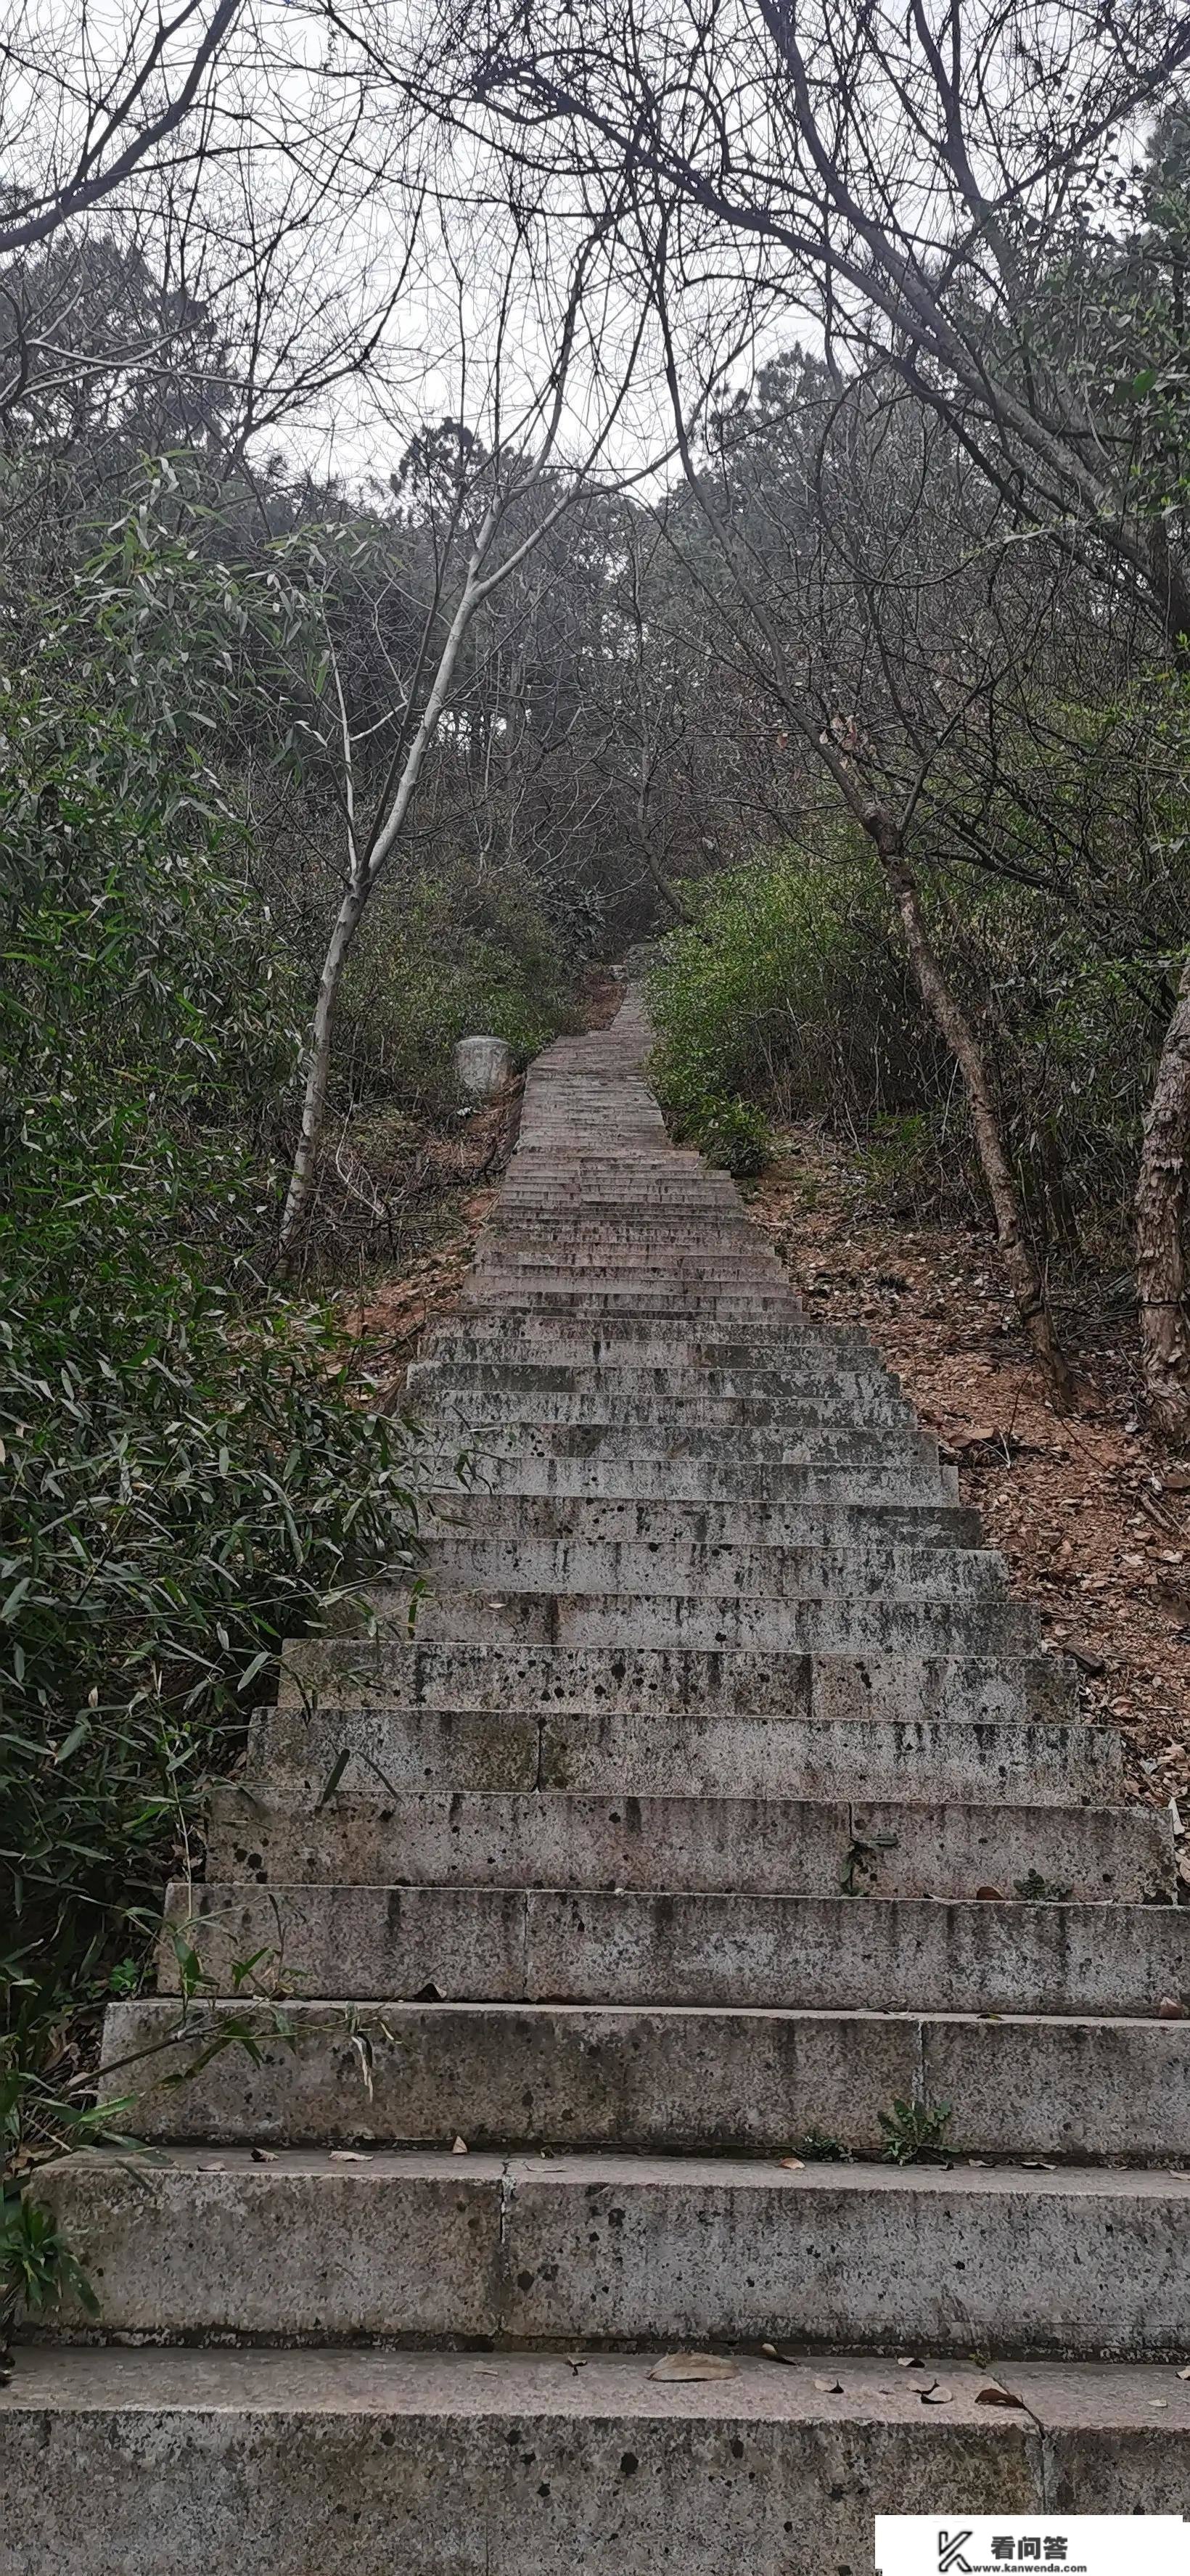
x: 714, y: 1801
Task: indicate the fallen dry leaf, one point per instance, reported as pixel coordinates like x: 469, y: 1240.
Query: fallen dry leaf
x: 460, y: 2147
x: 935, y: 2396
x: 793, y: 2164
x: 349, y: 2156
x: 264, y: 2155
x: 997, y: 2397
x: 1171, y: 2008
x: 694, y: 2365
x: 830, y: 2387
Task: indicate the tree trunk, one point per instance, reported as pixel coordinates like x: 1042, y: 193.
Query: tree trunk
x: 951, y: 1021
x: 316, y: 1065
x: 665, y: 886
x: 1160, y: 1210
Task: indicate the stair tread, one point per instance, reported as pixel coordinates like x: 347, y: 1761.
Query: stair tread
x: 314, y: 2381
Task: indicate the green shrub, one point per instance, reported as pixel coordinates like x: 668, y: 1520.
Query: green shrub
x: 453, y: 954
x: 733, y: 1134
x: 187, y: 1476
x: 786, y: 992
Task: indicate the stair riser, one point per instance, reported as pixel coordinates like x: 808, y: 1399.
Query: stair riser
x: 670, y: 1273
x: 363, y: 1672
x: 807, y: 1376
x: 538, y: 2255
x: 839, y: 1447
x: 584, y: 2079
x: 683, y: 1620
x: 818, y: 1392
x: 529, y: 1410
x: 658, y: 1754
x: 762, y: 1847
x: 734, y: 1300
x: 660, y: 1523
x: 693, y: 1480
x: 803, y: 1954
x: 482, y: 1339
x: 548, y: 1342
x: 776, y: 1574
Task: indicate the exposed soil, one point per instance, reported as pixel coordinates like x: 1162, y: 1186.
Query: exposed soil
x: 1091, y: 1515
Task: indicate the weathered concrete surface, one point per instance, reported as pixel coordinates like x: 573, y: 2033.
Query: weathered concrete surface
x: 710, y: 1629
x: 454, y: 1615
x: 654, y: 2079
x: 650, y: 1752
x: 614, y: 2249
x: 974, y: 1687
x: 454, y: 2465
x: 659, y: 1523
x: 756, y: 1846
x: 512, y: 1558
x: 823, y: 1954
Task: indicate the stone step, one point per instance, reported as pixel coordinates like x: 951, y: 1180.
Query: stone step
x: 825, y: 1449
x: 359, y: 1671
x: 682, y: 1476
x: 664, y: 1264
x: 659, y: 1350
x: 811, y: 1421
x: 658, y: 1752
x: 515, y: 1562
x: 558, y: 1229
x: 799, y: 1953
x: 815, y: 1378
x: 492, y: 2464
x: 613, y: 2248
x: 451, y: 1400
x: 478, y: 1883
x: 812, y: 1382
x: 648, y: 2080
x: 767, y: 1846
x: 701, y: 1308
x: 836, y: 1624
x: 661, y: 1523
x: 615, y: 1194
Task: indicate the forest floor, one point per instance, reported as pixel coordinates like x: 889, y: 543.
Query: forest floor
x: 1093, y: 1519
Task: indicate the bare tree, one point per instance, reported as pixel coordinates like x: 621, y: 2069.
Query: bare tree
x: 939, y: 191
x: 506, y: 493
x: 85, y: 107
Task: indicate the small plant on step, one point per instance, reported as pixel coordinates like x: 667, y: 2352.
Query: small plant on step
x: 818, y: 2147
x: 913, y: 2134
x: 38, y: 2266
x: 1033, y: 1889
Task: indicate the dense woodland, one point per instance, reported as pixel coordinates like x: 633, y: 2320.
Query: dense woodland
x: 687, y: 471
